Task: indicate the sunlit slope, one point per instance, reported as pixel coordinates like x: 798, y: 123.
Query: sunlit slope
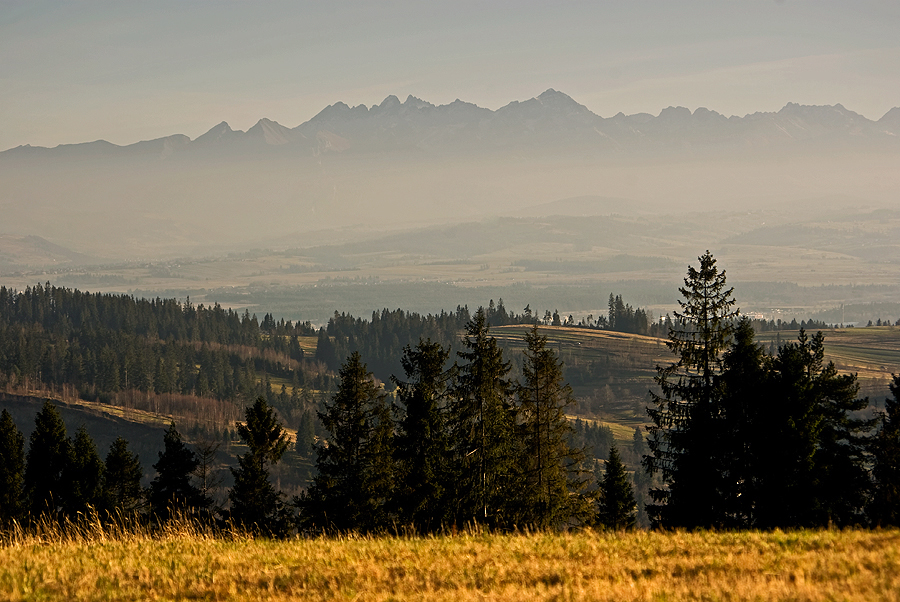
x: 627, y: 363
x: 872, y: 353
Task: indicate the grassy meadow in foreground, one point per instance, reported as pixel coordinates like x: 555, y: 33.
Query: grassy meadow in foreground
x: 806, y: 565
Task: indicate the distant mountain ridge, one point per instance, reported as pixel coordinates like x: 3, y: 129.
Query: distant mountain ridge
x: 552, y: 120
x: 407, y: 164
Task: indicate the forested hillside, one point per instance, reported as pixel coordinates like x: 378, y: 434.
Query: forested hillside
x: 162, y: 354
x: 466, y: 417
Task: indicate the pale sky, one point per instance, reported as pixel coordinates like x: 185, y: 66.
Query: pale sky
x: 126, y: 71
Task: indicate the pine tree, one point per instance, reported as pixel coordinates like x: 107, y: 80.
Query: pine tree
x: 172, y: 490
x: 354, y: 476
x: 46, y: 462
x: 84, y: 476
x: 617, y: 505
x: 885, y: 508
x: 422, y: 446
x: 122, y: 476
x: 12, y: 470
x: 687, y: 412
x: 255, y: 504
x: 482, y: 425
x: 552, y: 495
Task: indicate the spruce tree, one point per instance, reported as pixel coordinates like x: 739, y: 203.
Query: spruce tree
x: 84, y: 476
x: 354, y: 479
x: 687, y: 413
x: 12, y: 470
x: 209, y: 478
x: 552, y: 495
x: 306, y: 435
x: 885, y: 508
x: 422, y: 446
x: 122, y: 476
x: 172, y: 490
x: 46, y: 462
x: 745, y: 433
x: 812, y: 470
x: 482, y: 423
x: 617, y: 506
x: 255, y: 504
x: 638, y: 444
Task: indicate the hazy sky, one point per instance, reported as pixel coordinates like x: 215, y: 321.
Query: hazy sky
x: 125, y: 71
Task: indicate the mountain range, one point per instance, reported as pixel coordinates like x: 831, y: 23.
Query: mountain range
x: 552, y: 119
x: 358, y: 171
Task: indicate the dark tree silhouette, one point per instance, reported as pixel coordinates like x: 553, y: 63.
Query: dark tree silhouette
x: 124, y: 495
x: 553, y: 493
x: 687, y: 412
x: 422, y: 446
x: 885, y: 509
x: 84, y: 476
x: 487, y: 469
x: 255, y: 504
x: 12, y: 470
x: 352, y: 487
x: 172, y: 490
x: 46, y: 462
x: 617, y: 506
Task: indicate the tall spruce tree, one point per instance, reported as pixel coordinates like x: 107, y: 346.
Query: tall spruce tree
x: 84, y: 476
x: 422, y: 446
x: 617, y: 506
x: 687, y: 413
x: 487, y: 455
x: 122, y: 476
x: 46, y: 462
x: 885, y: 507
x: 172, y: 490
x: 553, y: 493
x: 12, y: 470
x: 354, y: 479
x: 255, y: 504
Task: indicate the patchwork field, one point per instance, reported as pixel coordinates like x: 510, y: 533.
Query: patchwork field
x: 806, y: 565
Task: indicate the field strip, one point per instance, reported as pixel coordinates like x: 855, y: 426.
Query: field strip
x: 805, y: 565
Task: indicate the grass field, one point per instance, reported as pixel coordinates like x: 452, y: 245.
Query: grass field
x: 808, y: 565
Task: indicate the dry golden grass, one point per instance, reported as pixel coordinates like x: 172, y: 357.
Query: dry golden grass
x: 185, y: 564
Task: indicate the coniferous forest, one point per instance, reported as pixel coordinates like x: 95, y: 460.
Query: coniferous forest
x: 426, y: 424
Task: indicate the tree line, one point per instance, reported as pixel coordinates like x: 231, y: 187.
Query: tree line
x: 743, y: 438
x: 463, y: 444
x: 101, y: 344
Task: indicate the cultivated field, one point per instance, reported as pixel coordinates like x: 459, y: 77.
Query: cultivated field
x: 808, y: 565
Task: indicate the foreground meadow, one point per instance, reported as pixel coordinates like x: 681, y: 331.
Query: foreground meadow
x: 808, y: 565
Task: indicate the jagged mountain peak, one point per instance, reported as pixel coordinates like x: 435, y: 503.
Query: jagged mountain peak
x: 215, y: 133
x: 390, y: 102
x: 675, y: 114
x: 270, y: 132
x: 418, y: 103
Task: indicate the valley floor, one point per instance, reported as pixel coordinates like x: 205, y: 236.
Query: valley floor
x: 804, y: 565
